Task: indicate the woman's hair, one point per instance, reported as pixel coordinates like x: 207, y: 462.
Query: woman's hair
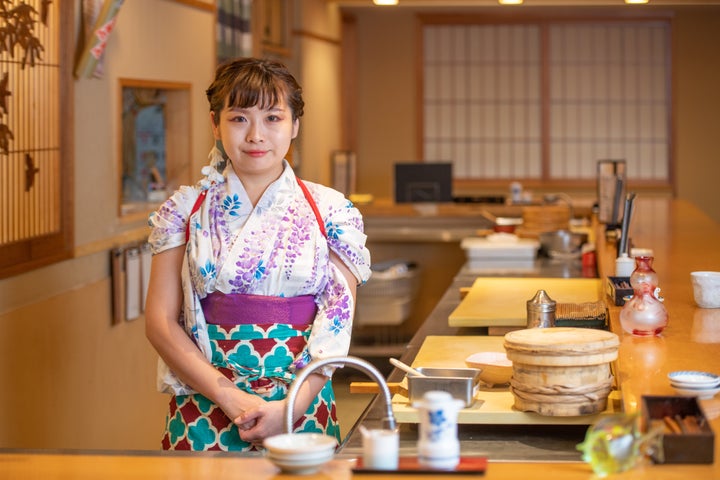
x: 250, y: 82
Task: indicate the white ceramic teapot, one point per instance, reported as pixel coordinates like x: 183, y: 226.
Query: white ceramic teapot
x: 438, y: 445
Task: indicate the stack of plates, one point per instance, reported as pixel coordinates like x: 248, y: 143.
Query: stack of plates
x: 695, y: 384
x: 300, y: 453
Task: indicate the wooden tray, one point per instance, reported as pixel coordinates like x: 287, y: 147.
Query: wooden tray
x: 492, y: 405
x: 502, y: 301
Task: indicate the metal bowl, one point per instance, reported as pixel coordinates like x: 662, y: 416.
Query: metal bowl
x: 562, y: 243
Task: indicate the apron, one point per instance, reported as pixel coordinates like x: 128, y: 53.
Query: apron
x: 254, y: 341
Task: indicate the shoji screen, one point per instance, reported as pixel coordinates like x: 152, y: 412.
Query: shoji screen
x: 546, y: 100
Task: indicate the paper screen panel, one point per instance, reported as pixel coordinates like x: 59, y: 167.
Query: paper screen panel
x: 30, y: 202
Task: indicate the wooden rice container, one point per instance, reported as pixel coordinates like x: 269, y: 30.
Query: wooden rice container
x: 561, y: 371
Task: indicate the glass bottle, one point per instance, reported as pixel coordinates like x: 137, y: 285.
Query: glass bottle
x: 644, y: 314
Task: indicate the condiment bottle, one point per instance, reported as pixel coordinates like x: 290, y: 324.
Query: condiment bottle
x: 624, y: 265
x: 438, y: 444
x: 541, y: 311
x: 644, y: 314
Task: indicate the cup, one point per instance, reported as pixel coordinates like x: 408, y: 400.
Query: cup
x: 380, y: 449
x: 706, y: 289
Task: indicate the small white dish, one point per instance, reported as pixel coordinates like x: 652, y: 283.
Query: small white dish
x: 693, y: 379
x: 702, y: 394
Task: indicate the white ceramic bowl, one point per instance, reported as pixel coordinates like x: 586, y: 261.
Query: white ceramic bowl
x: 300, y: 453
x: 495, y: 368
x: 309, y: 456
x: 301, y: 466
x: 693, y: 379
x: 706, y: 289
x: 299, y: 443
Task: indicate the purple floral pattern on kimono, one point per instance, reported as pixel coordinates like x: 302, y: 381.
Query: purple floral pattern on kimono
x: 275, y: 248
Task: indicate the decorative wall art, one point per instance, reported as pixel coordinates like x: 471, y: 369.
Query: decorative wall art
x: 98, y: 21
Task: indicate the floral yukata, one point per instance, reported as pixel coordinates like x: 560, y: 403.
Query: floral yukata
x: 261, y: 296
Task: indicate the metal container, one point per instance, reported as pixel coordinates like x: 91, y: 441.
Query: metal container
x: 461, y: 383
x: 541, y: 311
x: 562, y: 243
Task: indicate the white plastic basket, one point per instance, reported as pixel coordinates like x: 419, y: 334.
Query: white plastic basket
x: 382, y: 311
x: 399, y: 285
x: 387, y: 297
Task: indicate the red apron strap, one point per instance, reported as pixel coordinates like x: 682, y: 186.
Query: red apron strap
x: 313, y: 205
x: 195, y: 208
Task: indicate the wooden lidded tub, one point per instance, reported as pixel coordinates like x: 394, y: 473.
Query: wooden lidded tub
x: 561, y: 371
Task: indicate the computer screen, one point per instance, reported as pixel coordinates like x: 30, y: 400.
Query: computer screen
x: 423, y: 182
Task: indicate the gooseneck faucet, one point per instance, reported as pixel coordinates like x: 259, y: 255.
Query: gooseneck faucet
x: 360, y: 364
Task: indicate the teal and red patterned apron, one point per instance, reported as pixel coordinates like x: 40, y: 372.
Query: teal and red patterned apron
x: 254, y: 341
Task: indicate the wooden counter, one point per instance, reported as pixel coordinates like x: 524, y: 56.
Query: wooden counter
x: 683, y: 240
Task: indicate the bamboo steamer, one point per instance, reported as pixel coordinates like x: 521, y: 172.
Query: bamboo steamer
x: 561, y: 371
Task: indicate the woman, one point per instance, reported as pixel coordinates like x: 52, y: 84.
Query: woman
x: 253, y: 275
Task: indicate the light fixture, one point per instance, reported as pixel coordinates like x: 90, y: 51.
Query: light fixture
x: 385, y: 2
x: 510, y: 2
x: 635, y: 2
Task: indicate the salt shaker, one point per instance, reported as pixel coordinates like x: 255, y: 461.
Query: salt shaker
x: 541, y: 311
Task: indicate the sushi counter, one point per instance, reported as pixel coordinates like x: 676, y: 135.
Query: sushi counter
x: 506, y: 444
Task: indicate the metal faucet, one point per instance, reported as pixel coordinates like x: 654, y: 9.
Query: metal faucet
x: 360, y: 364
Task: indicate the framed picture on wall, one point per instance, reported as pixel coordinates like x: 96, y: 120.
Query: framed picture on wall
x: 155, y: 146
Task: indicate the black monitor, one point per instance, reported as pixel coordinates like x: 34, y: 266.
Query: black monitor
x: 423, y: 182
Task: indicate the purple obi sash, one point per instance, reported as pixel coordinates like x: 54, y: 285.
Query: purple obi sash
x: 241, y: 309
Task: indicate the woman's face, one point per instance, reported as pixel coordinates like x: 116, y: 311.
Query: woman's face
x: 256, y: 140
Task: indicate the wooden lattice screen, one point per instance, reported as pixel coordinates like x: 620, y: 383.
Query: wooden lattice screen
x: 34, y: 133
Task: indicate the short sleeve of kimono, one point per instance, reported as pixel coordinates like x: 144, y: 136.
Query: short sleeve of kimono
x: 169, y: 222
x: 345, y: 232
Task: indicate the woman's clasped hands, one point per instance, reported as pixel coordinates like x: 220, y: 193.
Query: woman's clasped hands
x: 261, y: 421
